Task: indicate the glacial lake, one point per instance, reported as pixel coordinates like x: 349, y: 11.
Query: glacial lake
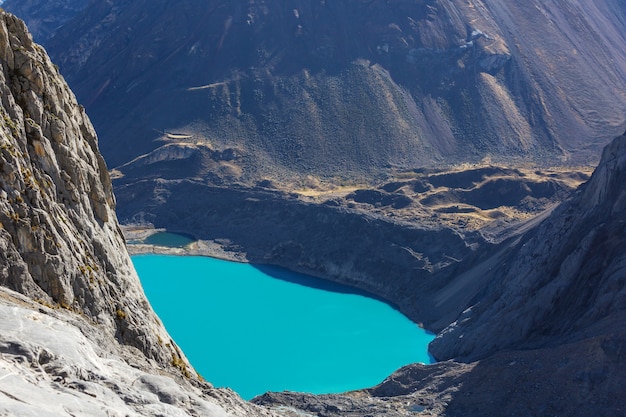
x: 257, y: 328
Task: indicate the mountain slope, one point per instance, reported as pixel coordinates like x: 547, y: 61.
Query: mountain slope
x: 333, y: 89
x: 544, y: 333
x: 562, y: 281
x: 44, y: 17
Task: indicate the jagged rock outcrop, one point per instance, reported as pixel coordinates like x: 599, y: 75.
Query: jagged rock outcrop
x: 562, y: 281
x: 78, y: 336
x: 60, y: 237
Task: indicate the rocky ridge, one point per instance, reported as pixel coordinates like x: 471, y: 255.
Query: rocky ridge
x: 78, y: 336
x: 562, y: 280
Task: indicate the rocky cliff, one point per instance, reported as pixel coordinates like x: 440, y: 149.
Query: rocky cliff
x: 60, y: 238
x: 78, y: 336
x: 562, y: 281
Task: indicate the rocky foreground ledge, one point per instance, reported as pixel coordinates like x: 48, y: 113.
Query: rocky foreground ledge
x: 55, y: 363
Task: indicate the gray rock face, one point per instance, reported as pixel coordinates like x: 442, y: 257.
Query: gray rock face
x: 60, y: 237
x: 562, y: 281
x: 77, y: 336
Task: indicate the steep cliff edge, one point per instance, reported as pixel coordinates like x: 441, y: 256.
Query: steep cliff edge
x: 60, y: 237
x: 562, y: 281
x: 77, y: 336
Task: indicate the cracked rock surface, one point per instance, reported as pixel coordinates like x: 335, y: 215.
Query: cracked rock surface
x: 53, y: 363
x: 59, y: 235
x: 77, y: 335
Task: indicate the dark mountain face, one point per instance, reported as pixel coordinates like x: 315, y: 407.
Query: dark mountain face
x: 44, y: 17
x: 562, y: 281
x: 346, y: 89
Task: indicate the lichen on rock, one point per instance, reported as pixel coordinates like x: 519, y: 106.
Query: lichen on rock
x: 60, y: 241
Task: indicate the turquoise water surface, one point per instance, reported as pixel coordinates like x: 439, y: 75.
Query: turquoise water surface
x: 258, y: 329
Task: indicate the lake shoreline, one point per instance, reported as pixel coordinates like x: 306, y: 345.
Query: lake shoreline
x: 135, y: 235
x: 227, y: 251
x: 355, y: 329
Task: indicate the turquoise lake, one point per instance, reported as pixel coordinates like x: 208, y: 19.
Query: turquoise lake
x: 258, y: 329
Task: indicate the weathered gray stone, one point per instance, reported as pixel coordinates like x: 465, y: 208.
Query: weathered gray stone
x: 562, y: 279
x: 78, y: 336
x: 80, y: 230
x: 56, y: 363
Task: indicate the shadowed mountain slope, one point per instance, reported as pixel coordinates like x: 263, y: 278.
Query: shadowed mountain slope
x: 544, y: 332
x: 45, y: 17
x: 563, y: 281
x: 348, y: 89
